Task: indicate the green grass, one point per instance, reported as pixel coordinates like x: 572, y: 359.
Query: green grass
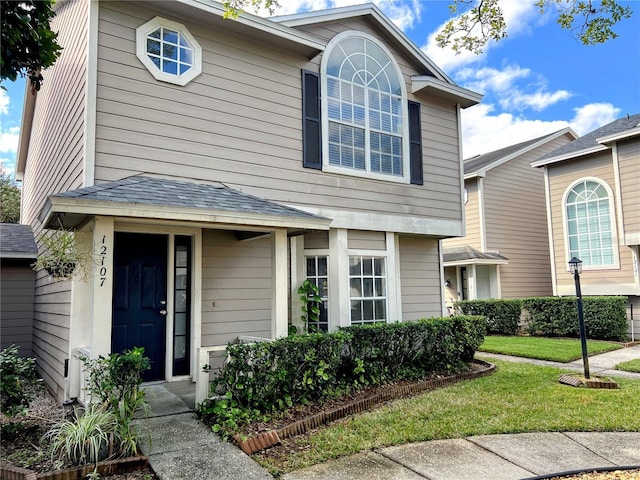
x: 542, y: 348
x: 516, y: 398
x: 630, y: 366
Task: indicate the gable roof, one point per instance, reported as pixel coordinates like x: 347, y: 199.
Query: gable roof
x: 480, y: 164
x: 16, y: 241
x: 147, y: 197
x: 593, y: 141
x: 434, y: 80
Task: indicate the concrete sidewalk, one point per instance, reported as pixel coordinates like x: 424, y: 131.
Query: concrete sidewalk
x: 184, y: 448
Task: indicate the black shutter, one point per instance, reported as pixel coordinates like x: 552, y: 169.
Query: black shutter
x: 415, y: 144
x: 311, y: 145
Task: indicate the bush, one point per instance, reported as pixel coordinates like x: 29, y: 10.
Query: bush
x: 502, y: 315
x: 604, y: 317
x: 267, y: 377
x: 15, y: 374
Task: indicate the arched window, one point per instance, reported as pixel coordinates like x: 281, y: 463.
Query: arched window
x: 365, y: 109
x: 590, y: 224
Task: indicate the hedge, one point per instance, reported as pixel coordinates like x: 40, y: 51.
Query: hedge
x: 267, y: 377
x: 604, y: 317
x: 502, y: 315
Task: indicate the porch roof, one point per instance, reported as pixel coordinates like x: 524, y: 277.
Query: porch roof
x: 160, y: 198
x: 467, y: 255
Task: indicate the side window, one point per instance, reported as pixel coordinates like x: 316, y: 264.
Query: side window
x: 168, y: 51
x: 318, y: 273
x: 368, y: 286
x: 589, y: 224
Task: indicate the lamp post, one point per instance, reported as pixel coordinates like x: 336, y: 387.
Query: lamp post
x: 575, y: 267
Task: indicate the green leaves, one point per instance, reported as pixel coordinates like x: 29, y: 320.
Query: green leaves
x: 17, y: 372
x: 27, y: 41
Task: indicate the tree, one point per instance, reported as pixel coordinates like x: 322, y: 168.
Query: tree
x: 478, y: 21
x: 9, y: 199
x: 27, y: 41
x: 475, y: 22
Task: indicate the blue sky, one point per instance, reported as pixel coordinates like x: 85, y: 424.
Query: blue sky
x: 536, y: 81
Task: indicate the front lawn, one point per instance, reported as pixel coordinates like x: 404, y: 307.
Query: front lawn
x: 629, y: 366
x: 543, y: 348
x: 516, y: 398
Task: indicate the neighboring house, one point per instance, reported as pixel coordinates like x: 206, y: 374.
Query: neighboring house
x: 505, y: 252
x: 215, y: 164
x: 593, y: 206
x: 17, y: 252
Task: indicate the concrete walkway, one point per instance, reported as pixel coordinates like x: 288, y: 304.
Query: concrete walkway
x: 183, y: 448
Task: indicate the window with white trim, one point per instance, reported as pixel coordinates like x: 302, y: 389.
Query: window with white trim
x: 318, y: 274
x: 365, y: 108
x: 368, y: 286
x: 589, y: 224
x: 168, y: 51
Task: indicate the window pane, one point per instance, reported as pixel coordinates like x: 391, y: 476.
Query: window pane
x: 180, y: 324
x: 367, y: 310
x: 170, y: 51
x: 181, y: 301
x: 170, y: 36
x: 155, y: 34
x: 186, y: 56
x: 380, y: 307
x: 322, y: 266
x: 367, y: 284
x: 153, y: 47
x: 170, y: 67
x: 181, y: 278
x: 180, y: 348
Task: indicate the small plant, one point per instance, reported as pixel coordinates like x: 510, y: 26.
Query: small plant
x: 16, y: 374
x: 114, y: 383
x: 89, y: 438
x: 62, y: 257
x: 310, y: 298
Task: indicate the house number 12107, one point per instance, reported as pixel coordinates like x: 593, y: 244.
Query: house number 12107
x: 102, y: 253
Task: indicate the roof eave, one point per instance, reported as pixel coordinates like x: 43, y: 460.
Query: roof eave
x: 77, y: 210
x: 448, y: 91
x: 475, y: 261
x: 260, y: 24
x: 26, y: 124
x: 633, y: 132
x: 569, y: 156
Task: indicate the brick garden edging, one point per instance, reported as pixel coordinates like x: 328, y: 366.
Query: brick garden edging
x: 268, y: 439
x: 107, y: 467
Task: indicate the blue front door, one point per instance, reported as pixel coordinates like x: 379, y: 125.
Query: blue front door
x: 140, y: 297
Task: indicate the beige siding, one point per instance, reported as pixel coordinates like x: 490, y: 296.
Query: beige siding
x: 55, y: 164
x: 361, y: 240
x: 244, y: 111
x: 629, y: 165
x: 516, y: 223
x: 16, y: 305
x: 561, y: 176
x: 236, y: 288
x: 472, y: 219
x: 420, y: 277
x: 633, y: 317
x: 316, y: 240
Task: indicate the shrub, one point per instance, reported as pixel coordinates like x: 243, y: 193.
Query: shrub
x: 502, y: 315
x: 604, y: 317
x: 267, y: 377
x: 15, y: 374
x: 114, y: 382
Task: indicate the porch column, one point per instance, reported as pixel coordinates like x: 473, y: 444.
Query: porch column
x: 103, y: 240
x: 279, y: 293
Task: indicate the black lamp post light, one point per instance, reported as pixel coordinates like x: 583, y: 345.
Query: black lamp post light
x: 575, y: 267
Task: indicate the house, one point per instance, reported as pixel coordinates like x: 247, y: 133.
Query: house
x: 213, y: 165
x: 593, y: 208
x: 17, y: 252
x: 504, y: 253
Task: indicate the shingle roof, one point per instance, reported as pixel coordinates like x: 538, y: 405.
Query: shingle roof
x: 16, y: 241
x: 588, y: 141
x: 159, y: 191
x: 459, y: 254
x: 474, y: 164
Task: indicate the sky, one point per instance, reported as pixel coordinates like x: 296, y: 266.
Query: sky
x: 536, y: 81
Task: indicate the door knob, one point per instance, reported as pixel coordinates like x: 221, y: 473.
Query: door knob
x: 163, y: 312
x: 163, y: 302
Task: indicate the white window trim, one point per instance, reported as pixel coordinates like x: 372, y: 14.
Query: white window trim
x: 141, y: 51
x: 614, y: 227
x: 326, y: 167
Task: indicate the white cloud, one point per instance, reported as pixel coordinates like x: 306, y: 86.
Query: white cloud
x: 537, y: 101
x: 4, y: 102
x: 483, y: 131
x: 9, y: 140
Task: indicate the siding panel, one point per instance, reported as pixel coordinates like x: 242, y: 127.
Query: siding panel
x: 629, y: 165
x: 16, y: 306
x: 419, y: 277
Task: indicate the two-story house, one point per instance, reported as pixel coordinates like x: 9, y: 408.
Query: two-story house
x: 213, y: 165
x: 504, y: 253
x: 593, y: 205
